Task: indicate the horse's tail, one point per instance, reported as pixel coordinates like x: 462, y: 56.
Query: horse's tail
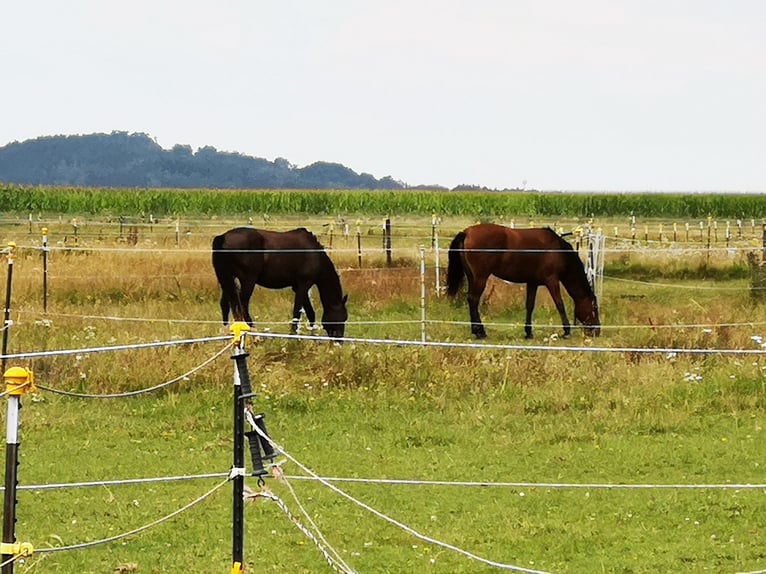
x: 224, y: 274
x: 455, y: 271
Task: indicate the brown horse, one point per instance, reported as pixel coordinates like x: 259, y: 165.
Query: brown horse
x: 532, y: 256
x: 245, y: 257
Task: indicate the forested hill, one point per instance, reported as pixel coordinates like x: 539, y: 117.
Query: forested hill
x: 122, y: 159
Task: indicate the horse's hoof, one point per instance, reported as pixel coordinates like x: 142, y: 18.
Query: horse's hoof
x: 566, y: 335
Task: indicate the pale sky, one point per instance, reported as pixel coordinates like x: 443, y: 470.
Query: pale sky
x: 593, y: 95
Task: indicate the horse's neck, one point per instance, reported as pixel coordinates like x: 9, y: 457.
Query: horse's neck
x: 328, y: 282
x: 576, y: 282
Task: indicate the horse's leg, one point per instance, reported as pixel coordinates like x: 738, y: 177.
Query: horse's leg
x: 555, y: 290
x: 302, y: 301
x: 531, y: 296
x: 308, y: 308
x: 224, y: 308
x: 476, y: 287
x: 245, y: 292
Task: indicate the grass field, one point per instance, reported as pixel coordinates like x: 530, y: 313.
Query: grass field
x: 560, y: 434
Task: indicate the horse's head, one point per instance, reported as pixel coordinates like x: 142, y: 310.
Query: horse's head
x: 334, y: 319
x: 586, y: 311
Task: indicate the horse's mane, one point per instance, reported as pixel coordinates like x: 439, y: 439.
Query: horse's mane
x: 573, y: 257
x: 310, y: 237
x: 563, y: 243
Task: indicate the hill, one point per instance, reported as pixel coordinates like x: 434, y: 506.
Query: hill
x: 123, y: 159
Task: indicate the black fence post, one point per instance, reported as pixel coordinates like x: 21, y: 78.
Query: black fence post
x: 11, y: 253
x: 18, y: 380
x: 241, y: 382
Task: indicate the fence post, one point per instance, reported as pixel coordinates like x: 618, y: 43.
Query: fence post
x: 18, y: 380
x: 387, y: 240
x: 422, y: 294
x: 11, y: 252
x: 237, y: 475
x: 45, y: 270
x: 359, y: 242
x: 437, y: 264
x: 764, y: 241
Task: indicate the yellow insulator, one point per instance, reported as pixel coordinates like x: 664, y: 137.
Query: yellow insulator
x: 18, y: 380
x: 16, y: 548
x: 239, y: 329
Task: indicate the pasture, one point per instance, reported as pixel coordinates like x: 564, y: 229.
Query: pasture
x: 595, y: 455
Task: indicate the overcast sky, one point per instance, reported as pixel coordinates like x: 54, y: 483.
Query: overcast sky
x: 549, y: 94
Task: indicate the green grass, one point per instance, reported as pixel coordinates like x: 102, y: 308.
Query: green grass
x: 552, y: 432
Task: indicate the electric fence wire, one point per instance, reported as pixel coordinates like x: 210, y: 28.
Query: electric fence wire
x: 135, y: 530
x: 331, y: 556
x: 393, y: 521
x: 137, y: 392
x: 112, y: 348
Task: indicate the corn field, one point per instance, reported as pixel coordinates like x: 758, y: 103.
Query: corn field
x: 174, y: 202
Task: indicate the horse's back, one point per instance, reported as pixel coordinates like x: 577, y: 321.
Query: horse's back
x: 273, y: 259
x: 515, y: 255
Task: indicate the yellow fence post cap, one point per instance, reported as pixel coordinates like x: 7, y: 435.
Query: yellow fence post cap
x: 18, y: 380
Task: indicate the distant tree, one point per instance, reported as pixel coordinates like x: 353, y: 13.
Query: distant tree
x: 122, y: 159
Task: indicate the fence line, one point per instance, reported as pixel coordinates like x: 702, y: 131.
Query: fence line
x: 158, y: 344
x: 508, y: 347
x: 612, y: 326
x: 551, y: 485
x: 119, y: 482
x: 139, y: 391
x: 675, y: 248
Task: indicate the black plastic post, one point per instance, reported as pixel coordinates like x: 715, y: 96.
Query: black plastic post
x: 238, y: 463
x: 241, y: 390
x: 9, y: 501
x: 387, y: 241
x: 7, y: 314
x: 18, y: 381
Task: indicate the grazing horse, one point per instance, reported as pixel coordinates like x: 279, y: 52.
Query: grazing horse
x: 245, y: 257
x: 532, y: 256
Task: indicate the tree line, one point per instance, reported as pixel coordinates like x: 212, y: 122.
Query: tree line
x: 129, y: 160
